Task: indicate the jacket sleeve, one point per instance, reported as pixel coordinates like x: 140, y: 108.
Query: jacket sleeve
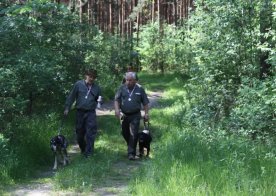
x: 71, y: 97
x: 144, y: 97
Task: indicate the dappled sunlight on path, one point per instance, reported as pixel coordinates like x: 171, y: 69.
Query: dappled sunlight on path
x: 115, y: 183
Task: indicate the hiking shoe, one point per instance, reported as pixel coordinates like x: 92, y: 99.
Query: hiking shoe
x: 87, y: 155
x: 131, y: 157
x: 82, y: 151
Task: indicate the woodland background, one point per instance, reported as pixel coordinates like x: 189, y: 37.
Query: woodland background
x: 222, y: 51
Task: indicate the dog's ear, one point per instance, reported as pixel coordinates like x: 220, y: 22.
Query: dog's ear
x: 52, y: 141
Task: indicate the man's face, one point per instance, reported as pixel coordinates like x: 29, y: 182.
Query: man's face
x: 130, y: 82
x: 89, y: 79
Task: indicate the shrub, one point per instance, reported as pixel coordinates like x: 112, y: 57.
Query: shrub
x: 6, y: 161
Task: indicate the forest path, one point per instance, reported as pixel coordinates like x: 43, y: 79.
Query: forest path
x: 115, y: 184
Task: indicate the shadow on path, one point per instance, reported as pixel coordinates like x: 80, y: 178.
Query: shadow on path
x: 116, y: 182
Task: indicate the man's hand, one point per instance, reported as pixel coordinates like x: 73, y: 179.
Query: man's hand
x: 117, y: 113
x: 66, y: 111
x: 117, y: 109
x: 146, y: 117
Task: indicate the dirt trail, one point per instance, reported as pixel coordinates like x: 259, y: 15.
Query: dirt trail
x: 114, y: 185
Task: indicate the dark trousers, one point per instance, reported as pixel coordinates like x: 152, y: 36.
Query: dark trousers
x: 86, y: 130
x: 130, y: 129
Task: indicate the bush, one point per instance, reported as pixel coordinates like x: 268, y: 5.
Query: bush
x: 6, y: 161
x: 254, y: 113
x: 29, y: 141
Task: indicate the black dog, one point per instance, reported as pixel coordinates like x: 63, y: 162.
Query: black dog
x: 59, y: 147
x: 145, y: 139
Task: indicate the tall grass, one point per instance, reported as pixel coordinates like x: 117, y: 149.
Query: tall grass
x: 6, y: 161
x: 83, y: 174
x: 185, y: 159
x: 189, y: 161
x: 28, y: 148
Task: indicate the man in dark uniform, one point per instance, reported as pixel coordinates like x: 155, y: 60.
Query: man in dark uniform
x: 128, y: 100
x: 85, y: 93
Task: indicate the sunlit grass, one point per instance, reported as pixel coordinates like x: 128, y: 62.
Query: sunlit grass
x: 83, y: 174
x: 184, y: 160
x: 189, y: 161
x: 192, y: 165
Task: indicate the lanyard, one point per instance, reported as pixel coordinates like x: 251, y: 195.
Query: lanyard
x: 88, y: 91
x: 130, y: 93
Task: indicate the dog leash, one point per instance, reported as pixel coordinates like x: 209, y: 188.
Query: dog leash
x: 146, y: 124
x: 122, y: 116
x: 61, y: 125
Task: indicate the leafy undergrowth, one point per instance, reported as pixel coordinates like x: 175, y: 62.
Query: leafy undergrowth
x: 85, y: 174
x: 185, y: 159
x: 189, y: 160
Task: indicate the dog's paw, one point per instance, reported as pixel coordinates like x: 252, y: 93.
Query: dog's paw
x: 65, y: 162
x: 147, y: 156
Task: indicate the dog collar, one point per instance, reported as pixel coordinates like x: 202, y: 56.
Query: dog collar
x: 146, y: 131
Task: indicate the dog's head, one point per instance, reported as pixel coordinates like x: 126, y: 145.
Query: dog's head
x: 58, y: 142
x: 145, y: 136
x: 145, y: 131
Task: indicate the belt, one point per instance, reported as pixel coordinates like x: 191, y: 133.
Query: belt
x: 84, y: 110
x: 131, y: 113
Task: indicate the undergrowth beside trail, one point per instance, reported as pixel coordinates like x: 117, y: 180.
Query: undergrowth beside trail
x: 84, y: 175
x: 185, y: 159
x: 27, y: 149
x: 189, y: 160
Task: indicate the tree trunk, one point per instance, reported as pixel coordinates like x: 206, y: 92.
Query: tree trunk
x: 265, y: 25
x: 161, y: 35
x: 110, y: 17
x: 80, y: 11
x: 138, y: 28
x: 152, y: 11
x: 30, y: 105
x: 175, y: 12
x: 89, y: 12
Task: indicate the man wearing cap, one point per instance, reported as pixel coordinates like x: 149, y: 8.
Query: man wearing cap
x: 86, y: 93
x: 128, y: 100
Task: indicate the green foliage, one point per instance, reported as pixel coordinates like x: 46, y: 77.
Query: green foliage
x: 28, y: 148
x: 44, y: 50
x: 149, y: 45
x: 110, y: 59
x: 30, y: 141
x: 224, y: 39
x: 162, y: 49
x: 33, y: 57
x: 194, y: 160
x: 84, y: 175
x: 254, y: 112
x: 196, y: 165
x: 6, y: 160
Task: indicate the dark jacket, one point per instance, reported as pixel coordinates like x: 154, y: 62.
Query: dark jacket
x: 131, y: 102
x: 85, y: 99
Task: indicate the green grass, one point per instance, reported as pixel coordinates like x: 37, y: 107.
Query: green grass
x: 191, y: 165
x: 184, y: 159
x: 188, y: 161
x: 160, y: 82
x: 28, y: 147
x: 83, y: 174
